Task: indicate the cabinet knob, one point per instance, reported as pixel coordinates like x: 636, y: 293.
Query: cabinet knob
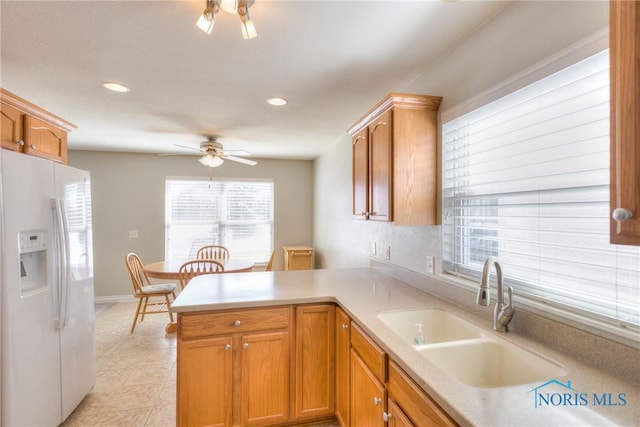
x: 245, y: 345
x: 386, y: 417
x: 377, y: 401
x: 227, y: 347
x: 344, y: 326
x: 32, y: 146
x: 237, y: 323
x: 621, y: 214
x: 21, y: 142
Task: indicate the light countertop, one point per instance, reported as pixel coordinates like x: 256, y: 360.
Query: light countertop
x: 365, y: 292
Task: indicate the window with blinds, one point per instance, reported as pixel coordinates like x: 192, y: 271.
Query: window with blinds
x: 237, y: 214
x: 526, y: 179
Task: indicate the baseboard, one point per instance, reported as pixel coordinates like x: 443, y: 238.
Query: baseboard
x: 113, y: 299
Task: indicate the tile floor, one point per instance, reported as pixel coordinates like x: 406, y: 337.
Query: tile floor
x: 135, y: 373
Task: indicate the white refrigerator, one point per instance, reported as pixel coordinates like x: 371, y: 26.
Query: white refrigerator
x: 47, y: 306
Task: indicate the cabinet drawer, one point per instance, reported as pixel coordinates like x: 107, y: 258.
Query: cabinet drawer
x: 231, y: 322
x: 373, y: 356
x: 418, y: 406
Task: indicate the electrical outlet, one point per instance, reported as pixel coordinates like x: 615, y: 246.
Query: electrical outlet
x: 387, y: 253
x: 133, y: 234
x: 373, y: 248
x: 430, y: 264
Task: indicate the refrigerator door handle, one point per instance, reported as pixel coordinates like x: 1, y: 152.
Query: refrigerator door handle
x: 62, y: 234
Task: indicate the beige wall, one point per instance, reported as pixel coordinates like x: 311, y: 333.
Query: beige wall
x: 128, y: 194
x: 523, y: 34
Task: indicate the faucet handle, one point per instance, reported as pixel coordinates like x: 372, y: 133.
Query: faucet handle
x: 508, y: 308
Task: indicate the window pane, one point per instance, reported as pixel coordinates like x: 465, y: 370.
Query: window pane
x: 235, y: 214
x: 526, y: 179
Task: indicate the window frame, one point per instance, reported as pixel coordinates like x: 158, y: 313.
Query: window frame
x: 221, y: 222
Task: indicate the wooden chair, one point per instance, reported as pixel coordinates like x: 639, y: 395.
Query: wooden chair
x: 270, y: 264
x: 143, y: 290
x: 213, y: 252
x: 190, y: 269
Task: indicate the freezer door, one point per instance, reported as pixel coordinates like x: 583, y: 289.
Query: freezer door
x: 30, y: 341
x: 77, y: 317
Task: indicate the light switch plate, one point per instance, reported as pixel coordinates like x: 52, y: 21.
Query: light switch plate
x: 133, y: 234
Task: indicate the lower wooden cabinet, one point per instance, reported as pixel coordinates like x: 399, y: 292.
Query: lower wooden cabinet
x: 415, y: 403
x: 368, y: 395
x: 343, y: 348
x: 315, y: 360
x: 265, y: 378
x: 241, y: 377
x: 204, y: 396
x: 291, y: 365
x: 395, y: 417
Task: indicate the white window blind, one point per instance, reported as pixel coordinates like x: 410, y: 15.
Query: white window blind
x: 526, y: 179
x: 237, y: 214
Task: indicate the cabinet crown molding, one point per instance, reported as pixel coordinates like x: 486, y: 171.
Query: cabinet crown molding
x: 396, y: 100
x: 33, y: 110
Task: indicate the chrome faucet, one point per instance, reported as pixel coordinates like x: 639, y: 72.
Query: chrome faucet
x: 502, y: 313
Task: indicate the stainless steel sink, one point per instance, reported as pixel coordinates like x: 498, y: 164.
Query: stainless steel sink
x: 468, y: 354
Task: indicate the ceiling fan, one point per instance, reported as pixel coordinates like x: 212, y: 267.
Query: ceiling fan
x: 213, y: 154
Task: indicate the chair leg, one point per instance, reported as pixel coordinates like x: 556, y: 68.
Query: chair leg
x: 144, y: 310
x: 166, y: 297
x: 135, y: 318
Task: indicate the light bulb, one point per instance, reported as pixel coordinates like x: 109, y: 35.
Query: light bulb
x: 205, y: 23
x: 248, y: 29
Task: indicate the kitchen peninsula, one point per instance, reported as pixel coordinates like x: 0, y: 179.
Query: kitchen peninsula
x: 291, y: 317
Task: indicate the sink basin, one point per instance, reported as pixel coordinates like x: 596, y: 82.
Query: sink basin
x: 438, y: 325
x: 486, y: 363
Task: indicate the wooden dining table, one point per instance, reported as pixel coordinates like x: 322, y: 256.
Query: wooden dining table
x: 169, y: 270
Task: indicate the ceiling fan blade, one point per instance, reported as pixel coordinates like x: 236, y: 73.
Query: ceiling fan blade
x: 190, y: 148
x: 240, y: 160
x: 235, y: 153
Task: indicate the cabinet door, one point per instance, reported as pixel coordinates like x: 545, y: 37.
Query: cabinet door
x: 343, y: 329
x: 44, y: 140
x: 625, y: 126
x: 360, y: 171
x: 368, y: 395
x: 380, y: 157
x: 395, y: 416
x: 204, y: 382
x: 265, y: 378
x: 315, y: 367
x: 11, y: 128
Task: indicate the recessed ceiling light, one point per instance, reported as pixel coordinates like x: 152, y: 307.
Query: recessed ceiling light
x: 116, y: 87
x: 278, y: 102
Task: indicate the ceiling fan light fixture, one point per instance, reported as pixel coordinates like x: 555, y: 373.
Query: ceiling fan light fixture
x: 207, y: 19
x: 229, y: 6
x: 211, y: 161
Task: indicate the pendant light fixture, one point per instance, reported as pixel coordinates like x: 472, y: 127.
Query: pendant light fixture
x: 235, y: 7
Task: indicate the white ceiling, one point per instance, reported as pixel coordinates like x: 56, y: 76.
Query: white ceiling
x: 333, y: 60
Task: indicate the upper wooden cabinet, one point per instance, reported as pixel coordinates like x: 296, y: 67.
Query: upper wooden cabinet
x: 624, y: 42
x: 30, y: 129
x: 394, y: 160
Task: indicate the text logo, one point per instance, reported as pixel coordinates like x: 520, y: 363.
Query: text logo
x: 556, y: 393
